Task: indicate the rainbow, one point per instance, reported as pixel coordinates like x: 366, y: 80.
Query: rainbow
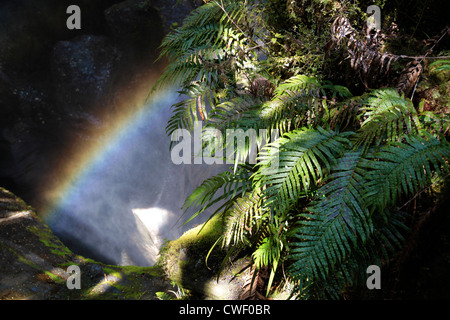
x: 120, y: 193
x: 88, y: 158
x: 111, y: 192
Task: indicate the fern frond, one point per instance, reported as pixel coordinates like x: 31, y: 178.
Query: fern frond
x: 388, y: 117
x: 205, y: 39
x: 440, y: 65
x: 237, y: 112
x: 292, y: 110
x: 405, y: 168
x: 343, y: 115
x: 389, y: 234
x: 304, y: 156
x: 299, y: 83
x: 332, y: 91
x: 301, y: 101
x: 336, y: 221
x: 243, y: 219
x: 234, y: 185
x: 267, y: 252
x: 187, y: 111
x: 435, y: 123
x: 385, y: 240
x: 204, y: 14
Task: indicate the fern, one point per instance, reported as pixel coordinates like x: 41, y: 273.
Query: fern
x: 405, y: 168
x: 301, y: 101
x: 196, y: 48
x: 337, y: 210
x: 304, y: 157
x: 440, y: 65
x: 233, y: 186
x: 388, y: 117
x: 268, y: 254
x: 322, y: 197
x: 243, y: 220
x: 387, y: 237
x: 194, y: 107
x: 302, y: 83
x: 434, y: 123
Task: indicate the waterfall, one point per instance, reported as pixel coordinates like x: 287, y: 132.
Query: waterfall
x: 127, y: 200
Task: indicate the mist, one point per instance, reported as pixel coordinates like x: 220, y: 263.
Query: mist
x: 123, y: 207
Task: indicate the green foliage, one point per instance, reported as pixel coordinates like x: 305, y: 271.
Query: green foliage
x: 404, y: 168
x: 388, y: 117
x: 328, y: 209
x: 233, y: 186
x: 304, y: 157
x: 440, y: 65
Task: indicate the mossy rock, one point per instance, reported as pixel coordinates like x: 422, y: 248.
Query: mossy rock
x: 34, y: 262
x: 193, y: 264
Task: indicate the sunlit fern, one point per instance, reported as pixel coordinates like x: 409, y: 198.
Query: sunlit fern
x: 344, y: 162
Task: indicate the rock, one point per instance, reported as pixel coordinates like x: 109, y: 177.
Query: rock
x: 33, y: 263
x: 148, y: 20
x: 184, y: 263
x: 136, y: 23
x: 173, y: 12
x: 84, y: 71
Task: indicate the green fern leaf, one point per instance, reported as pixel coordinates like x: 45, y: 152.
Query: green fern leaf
x: 440, y: 65
x: 299, y: 83
x: 243, y: 220
x: 303, y: 157
x: 405, y: 168
x: 336, y: 221
x: 233, y: 186
x: 387, y: 117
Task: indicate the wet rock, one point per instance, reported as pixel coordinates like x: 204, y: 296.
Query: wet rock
x: 84, y: 70
x: 147, y: 20
x: 33, y: 263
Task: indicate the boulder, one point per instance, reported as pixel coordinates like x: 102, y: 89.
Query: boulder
x: 135, y: 23
x: 84, y: 70
x: 34, y: 264
x: 147, y: 20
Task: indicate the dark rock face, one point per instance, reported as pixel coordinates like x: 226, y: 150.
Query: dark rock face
x: 83, y: 72
x: 135, y: 22
x: 174, y: 11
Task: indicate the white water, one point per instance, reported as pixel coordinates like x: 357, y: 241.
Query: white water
x: 130, y: 201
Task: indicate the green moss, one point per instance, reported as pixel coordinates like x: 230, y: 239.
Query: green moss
x: 133, y: 270
x: 46, y: 236
x: 204, y: 234
x: 55, y: 278
x: 189, y: 251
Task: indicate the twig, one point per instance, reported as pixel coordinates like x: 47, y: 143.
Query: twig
x: 221, y: 6
x: 423, y: 190
x: 421, y: 57
x: 415, y: 87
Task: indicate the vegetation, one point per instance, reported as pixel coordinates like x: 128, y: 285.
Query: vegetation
x: 358, y: 139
